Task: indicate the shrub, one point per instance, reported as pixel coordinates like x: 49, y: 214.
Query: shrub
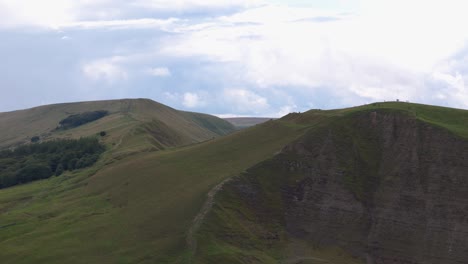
x: 81, y: 119
x: 42, y: 160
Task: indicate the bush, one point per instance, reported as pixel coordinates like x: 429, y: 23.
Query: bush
x: 35, y: 139
x: 59, y: 170
x: 42, y: 160
x: 81, y: 119
x: 33, y: 172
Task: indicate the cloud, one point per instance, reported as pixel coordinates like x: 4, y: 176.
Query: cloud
x: 159, y: 72
x: 284, y: 110
x: 163, y: 24
x: 105, y: 69
x: 364, y: 56
x: 452, y: 87
x: 244, y: 101
x: 320, y: 19
x: 284, y: 57
x: 45, y: 13
x: 230, y: 115
x: 192, y: 100
x: 100, y: 13
x: 184, y: 5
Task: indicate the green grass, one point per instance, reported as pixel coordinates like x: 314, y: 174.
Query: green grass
x: 133, y: 210
x: 451, y: 119
x: 241, y: 226
x: 125, y: 118
x: 136, y: 205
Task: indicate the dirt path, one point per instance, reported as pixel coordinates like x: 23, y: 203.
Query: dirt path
x: 198, y: 220
x: 200, y: 217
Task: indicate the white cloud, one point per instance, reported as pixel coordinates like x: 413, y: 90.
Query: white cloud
x: 382, y: 51
x: 182, y: 5
x: 100, y: 13
x: 159, y: 72
x: 244, y: 101
x: 374, y: 54
x: 46, y: 13
x: 107, y: 70
x: 453, y: 88
x: 163, y: 24
x: 284, y: 110
x: 230, y: 115
x: 192, y: 100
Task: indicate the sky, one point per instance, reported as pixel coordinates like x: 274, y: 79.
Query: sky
x: 234, y: 58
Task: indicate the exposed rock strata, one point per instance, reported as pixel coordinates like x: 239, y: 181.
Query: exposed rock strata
x: 383, y: 186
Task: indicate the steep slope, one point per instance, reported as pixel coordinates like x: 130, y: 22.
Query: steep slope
x: 317, y: 187
x: 131, y: 124
x: 383, y: 183
x: 137, y: 209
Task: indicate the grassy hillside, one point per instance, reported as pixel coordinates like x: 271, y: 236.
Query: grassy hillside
x: 250, y: 221
x: 131, y: 124
x: 138, y: 208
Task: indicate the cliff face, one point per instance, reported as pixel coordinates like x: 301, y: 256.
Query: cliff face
x: 397, y: 194
x: 382, y: 186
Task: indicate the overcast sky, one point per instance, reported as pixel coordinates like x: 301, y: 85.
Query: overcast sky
x: 227, y: 57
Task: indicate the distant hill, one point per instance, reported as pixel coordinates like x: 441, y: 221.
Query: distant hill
x: 244, y: 122
x: 129, y: 124
x: 379, y: 183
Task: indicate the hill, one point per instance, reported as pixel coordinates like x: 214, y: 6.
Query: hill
x: 382, y: 183
x: 306, y: 188
x: 130, y: 124
x: 137, y: 208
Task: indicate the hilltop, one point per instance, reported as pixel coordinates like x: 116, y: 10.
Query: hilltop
x: 131, y: 124
x: 381, y: 183
x: 304, y: 188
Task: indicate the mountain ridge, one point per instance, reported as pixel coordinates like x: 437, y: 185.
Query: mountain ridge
x: 371, y: 186
x: 127, y: 119
x: 139, y: 206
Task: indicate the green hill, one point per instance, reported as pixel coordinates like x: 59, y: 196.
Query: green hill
x: 130, y: 124
x: 136, y: 206
x: 371, y: 184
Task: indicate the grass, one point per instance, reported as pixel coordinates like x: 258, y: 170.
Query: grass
x: 137, y: 209
x: 125, y: 117
x: 451, y: 119
x: 247, y: 219
x: 136, y: 206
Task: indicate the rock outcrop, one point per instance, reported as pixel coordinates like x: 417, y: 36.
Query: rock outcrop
x: 383, y: 186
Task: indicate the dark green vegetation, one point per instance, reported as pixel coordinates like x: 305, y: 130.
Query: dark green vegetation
x: 42, y: 160
x: 81, y: 119
x: 137, y: 203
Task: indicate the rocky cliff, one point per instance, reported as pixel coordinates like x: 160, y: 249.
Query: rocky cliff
x: 379, y: 186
